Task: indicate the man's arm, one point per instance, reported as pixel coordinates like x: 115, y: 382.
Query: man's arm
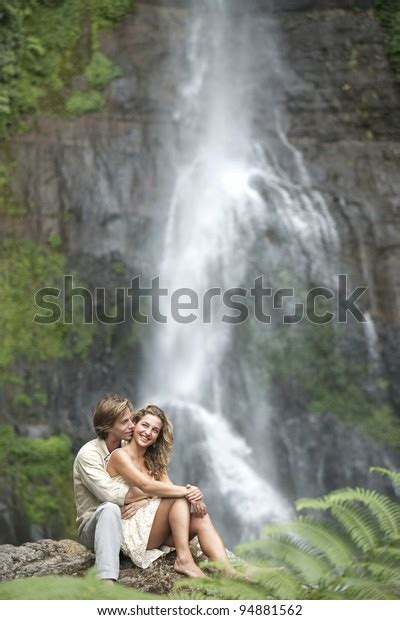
x: 99, y: 482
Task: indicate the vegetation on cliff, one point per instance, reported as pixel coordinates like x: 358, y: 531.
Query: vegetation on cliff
x: 43, y: 45
x: 389, y: 13
x: 25, y: 268
x: 38, y: 473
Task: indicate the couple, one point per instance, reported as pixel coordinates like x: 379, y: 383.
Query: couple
x: 125, y: 499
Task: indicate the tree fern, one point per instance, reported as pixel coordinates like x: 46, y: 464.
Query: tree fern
x: 322, y: 535
x: 351, y: 553
x: 382, y: 571
x: 353, y: 588
x: 302, y: 558
x: 280, y: 583
x: 359, y: 523
x: 393, y: 475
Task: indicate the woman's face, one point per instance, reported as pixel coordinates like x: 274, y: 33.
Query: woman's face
x: 147, y: 430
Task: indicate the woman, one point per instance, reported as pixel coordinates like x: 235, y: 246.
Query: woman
x: 165, y: 519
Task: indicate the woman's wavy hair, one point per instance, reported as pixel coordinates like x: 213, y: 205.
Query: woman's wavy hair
x: 158, y: 455
x: 108, y: 411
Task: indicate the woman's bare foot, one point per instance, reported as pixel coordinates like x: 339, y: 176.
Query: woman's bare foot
x: 187, y: 566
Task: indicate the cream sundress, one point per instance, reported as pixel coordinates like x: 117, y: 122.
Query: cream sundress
x: 136, y: 532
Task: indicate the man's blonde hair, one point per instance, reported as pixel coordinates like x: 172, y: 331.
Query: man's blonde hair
x: 108, y: 411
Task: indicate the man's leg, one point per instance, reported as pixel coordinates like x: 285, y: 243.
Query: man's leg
x: 103, y: 534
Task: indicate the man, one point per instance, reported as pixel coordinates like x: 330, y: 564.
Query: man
x: 98, y: 497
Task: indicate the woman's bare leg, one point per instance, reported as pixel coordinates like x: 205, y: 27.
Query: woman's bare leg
x: 172, y: 521
x: 210, y: 542
x: 160, y: 528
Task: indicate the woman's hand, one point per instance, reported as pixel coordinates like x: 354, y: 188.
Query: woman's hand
x: 194, y: 494
x: 199, y: 509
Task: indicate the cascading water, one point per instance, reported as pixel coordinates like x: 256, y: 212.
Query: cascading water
x: 230, y: 196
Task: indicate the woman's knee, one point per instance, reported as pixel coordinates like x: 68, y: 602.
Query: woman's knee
x: 197, y: 524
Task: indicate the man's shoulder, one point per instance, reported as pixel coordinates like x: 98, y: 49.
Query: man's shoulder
x: 89, y: 448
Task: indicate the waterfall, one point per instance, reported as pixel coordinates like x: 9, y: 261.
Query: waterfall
x: 232, y: 204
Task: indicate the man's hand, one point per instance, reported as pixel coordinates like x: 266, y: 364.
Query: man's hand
x: 129, y: 510
x: 199, y: 509
x: 194, y: 494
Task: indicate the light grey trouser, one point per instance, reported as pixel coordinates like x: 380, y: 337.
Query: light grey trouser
x: 103, y: 535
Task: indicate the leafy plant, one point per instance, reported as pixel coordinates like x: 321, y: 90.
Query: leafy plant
x: 100, y: 71
x: 82, y: 102
x: 43, y: 45
x: 24, y: 269
x: 40, y: 474
x: 111, y: 9
x: 389, y: 13
x: 352, y: 554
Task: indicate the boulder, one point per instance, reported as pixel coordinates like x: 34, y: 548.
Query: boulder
x: 70, y: 558
x: 44, y: 557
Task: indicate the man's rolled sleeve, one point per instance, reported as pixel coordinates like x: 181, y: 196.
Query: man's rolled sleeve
x: 99, y: 482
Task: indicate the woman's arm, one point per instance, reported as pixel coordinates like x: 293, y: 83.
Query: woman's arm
x: 199, y: 509
x: 121, y: 463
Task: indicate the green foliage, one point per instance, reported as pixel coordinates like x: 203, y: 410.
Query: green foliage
x: 393, y: 475
x: 389, y: 13
x: 352, y: 554
x: 111, y: 9
x: 68, y: 588
x: 82, y: 102
x: 8, y: 203
x: 24, y: 269
x: 100, y: 71
x: 34, y: 39
x: 40, y: 472
x: 43, y: 45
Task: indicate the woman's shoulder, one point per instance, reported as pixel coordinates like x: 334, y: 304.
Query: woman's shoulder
x: 119, y: 454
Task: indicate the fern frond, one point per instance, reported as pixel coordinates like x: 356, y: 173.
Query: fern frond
x: 385, y: 510
x: 382, y: 572
x: 298, y: 556
x: 361, y: 528
x: 322, y: 535
x: 359, y: 588
x: 390, y: 556
x: 279, y: 582
x: 393, y: 475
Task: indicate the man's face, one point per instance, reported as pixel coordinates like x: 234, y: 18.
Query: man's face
x: 123, y: 428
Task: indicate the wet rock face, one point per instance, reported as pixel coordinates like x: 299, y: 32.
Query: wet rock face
x: 99, y: 181
x: 344, y: 115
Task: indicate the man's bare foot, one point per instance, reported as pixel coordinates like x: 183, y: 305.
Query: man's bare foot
x: 188, y: 567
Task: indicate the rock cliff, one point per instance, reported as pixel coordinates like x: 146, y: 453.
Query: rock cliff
x: 95, y: 181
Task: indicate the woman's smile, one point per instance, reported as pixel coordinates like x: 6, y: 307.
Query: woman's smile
x: 147, y: 430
